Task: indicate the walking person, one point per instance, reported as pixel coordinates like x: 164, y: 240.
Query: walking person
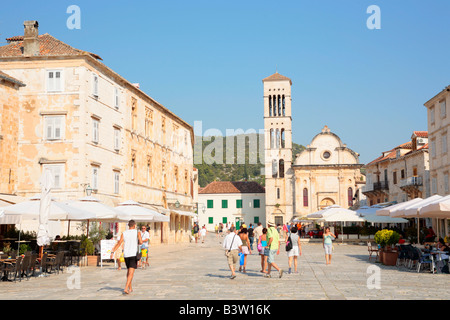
x: 328, y: 244
x: 262, y: 244
x: 245, y: 247
x: 202, y: 233
x: 257, y: 232
x: 131, y: 239
x: 145, y: 236
x: 251, y: 236
x: 273, y: 244
x: 196, y: 230
x: 296, y: 250
x: 233, y: 244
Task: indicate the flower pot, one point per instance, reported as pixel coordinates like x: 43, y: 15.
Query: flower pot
x: 92, y: 261
x: 380, y: 253
x: 390, y: 258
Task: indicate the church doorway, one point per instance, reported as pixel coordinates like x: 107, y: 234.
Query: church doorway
x: 326, y: 203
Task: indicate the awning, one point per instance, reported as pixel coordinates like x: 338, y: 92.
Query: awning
x: 184, y: 213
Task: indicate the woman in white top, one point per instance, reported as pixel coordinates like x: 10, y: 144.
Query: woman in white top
x: 131, y: 239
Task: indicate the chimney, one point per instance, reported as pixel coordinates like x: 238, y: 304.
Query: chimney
x: 30, y: 39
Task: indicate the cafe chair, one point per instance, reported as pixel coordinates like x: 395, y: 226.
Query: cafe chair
x: 372, y: 249
x: 424, y: 258
x: 13, y: 269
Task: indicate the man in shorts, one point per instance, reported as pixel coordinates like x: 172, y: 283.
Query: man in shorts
x: 233, y: 244
x: 273, y: 244
x: 130, y: 239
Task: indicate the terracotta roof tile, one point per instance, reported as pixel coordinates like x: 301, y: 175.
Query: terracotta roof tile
x: 421, y: 134
x: 49, y: 46
x: 232, y: 187
x: 277, y: 77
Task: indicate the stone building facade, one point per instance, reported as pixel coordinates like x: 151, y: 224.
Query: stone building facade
x: 93, y: 128
x: 400, y: 174
x: 326, y: 173
x: 9, y: 129
x: 438, y: 130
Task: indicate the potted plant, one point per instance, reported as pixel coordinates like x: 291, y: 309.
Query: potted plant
x: 390, y: 254
x: 386, y: 239
x: 380, y: 239
x: 88, y: 249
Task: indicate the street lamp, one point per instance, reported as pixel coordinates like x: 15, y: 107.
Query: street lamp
x: 88, y: 190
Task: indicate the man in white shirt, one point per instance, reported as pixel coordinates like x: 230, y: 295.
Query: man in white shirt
x: 233, y: 244
x: 203, y: 234
x: 145, y: 243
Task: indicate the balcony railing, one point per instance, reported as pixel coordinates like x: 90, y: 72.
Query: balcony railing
x: 382, y: 185
x: 367, y: 187
x: 411, y: 182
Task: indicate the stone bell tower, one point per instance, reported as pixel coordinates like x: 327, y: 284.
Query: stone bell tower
x: 278, y: 148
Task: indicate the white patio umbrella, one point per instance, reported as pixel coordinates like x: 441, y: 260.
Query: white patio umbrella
x: 412, y: 211
x: 132, y: 210
x: 46, y: 182
x: 100, y: 211
x: 436, y: 209
x: 325, y: 212
x: 388, y: 210
x: 369, y: 214
x: 29, y: 210
x: 343, y: 215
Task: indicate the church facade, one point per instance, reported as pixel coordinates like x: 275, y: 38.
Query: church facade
x: 326, y: 173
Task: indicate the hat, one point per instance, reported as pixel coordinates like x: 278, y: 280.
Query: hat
x: 244, y: 226
x: 271, y: 222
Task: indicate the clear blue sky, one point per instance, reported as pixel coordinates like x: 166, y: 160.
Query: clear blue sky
x: 205, y: 60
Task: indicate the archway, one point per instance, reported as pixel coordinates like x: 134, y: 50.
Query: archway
x: 326, y: 203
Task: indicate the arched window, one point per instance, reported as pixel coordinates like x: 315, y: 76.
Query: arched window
x: 283, y: 144
x: 274, y: 168
x: 305, y: 197
x: 272, y: 139
x: 274, y: 105
x: 284, y: 106
x: 279, y: 105
x: 270, y: 106
x: 278, y: 139
x: 350, y: 197
x: 281, y: 168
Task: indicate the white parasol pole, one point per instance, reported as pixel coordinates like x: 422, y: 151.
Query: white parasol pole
x: 46, y: 183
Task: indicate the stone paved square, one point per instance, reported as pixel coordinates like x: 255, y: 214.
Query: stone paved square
x: 200, y: 272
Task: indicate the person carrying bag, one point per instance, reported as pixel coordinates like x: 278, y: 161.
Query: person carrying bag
x: 233, y: 245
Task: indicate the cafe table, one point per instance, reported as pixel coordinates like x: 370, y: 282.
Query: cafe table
x: 436, y: 256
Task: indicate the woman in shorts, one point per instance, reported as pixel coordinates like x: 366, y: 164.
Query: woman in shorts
x: 328, y: 244
x: 296, y: 249
x: 262, y: 243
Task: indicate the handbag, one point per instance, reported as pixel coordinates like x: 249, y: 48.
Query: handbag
x: 289, y: 243
x: 227, y: 252
x: 259, y: 244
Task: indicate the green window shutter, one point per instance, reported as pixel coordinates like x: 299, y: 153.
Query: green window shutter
x: 256, y: 220
x: 256, y: 203
x: 224, y: 204
x: 210, y: 204
x: 239, y: 204
x: 210, y: 220
x: 224, y: 220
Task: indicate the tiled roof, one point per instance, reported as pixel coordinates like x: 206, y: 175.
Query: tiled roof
x: 232, y: 187
x: 421, y: 134
x: 49, y: 46
x: 277, y: 77
x: 7, y: 77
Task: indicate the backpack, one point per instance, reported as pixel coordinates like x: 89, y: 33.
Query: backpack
x: 289, y: 243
